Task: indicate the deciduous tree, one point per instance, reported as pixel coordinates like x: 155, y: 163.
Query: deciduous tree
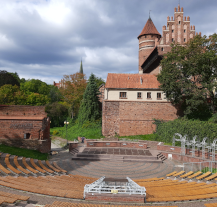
x: 188, y: 76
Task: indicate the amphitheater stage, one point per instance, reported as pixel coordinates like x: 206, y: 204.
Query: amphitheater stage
x: 117, y: 154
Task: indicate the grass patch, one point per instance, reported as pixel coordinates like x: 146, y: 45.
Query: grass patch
x: 151, y: 137
x: 24, y: 152
x: 90, y: 130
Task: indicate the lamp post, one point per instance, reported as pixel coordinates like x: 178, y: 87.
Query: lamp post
x: 66, y: 123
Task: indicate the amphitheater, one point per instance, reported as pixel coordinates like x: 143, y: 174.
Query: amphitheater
x: 61, y: 180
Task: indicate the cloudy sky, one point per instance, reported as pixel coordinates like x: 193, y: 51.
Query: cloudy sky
x: 45, y: 39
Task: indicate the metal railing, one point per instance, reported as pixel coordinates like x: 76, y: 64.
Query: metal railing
x: 201, y: 166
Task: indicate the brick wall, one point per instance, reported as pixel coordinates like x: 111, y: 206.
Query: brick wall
x: 18, y: 121
x: 117, y: 144
x: 134, y: 118
x: 17, y: 110
x: 115, y: 197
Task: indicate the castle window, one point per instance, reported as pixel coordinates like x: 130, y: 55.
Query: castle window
x: 158, y: 95
x: 149, y: 95
x: 184, y: 30
x: 123, y: 94
x: 179, y: 22
x: 172, y: 30
x: 162, y: 49
x: 172, y: 39
x: 184, y: 40
x: 139, y: 95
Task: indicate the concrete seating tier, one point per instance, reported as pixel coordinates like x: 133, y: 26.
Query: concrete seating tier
x: 67, y: 204
x: 120, y: 154
x: 11, y: 165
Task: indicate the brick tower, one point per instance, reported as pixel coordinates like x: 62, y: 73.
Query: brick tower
x: 147, y: 39
x: 152, y: 46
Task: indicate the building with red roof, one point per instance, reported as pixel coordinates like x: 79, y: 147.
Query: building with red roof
x: 132, y: 101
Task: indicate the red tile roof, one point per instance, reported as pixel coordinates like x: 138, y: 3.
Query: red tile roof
x: 149, y: 28
x: 143, y: 81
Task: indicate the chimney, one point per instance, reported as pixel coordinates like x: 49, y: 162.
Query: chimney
x: 175, y: 9
x: 182, y: 10
x: 200, y: 33
x: 184, y: 18
x: 196, y: 33
x: 171, y: 18
x: 168, y: 18
x: 188, y: 18
x: 193, y: 27
x: 164, y: 27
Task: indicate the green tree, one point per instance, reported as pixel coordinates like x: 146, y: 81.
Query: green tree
x: 188, y: 76
x: 89, y: 109
x: 54, y: 94
x: 35, y: 86
x: 8, y: 94
x: 99, y: 81
x: 9, y: 78
x: 57, y: 112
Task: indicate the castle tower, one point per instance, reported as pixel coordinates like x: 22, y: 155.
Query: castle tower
x: 178, y: 29
x: 147, y: 42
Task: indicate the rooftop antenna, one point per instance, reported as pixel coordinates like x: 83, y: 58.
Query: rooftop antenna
x: 149, y: 14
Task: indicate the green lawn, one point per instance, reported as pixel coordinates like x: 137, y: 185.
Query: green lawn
x: 24, y: 152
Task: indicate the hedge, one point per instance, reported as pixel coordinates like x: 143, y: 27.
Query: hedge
x: 166, y: 130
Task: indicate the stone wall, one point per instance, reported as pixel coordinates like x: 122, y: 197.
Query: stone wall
x: 134, y: 118
x: 43, y: 146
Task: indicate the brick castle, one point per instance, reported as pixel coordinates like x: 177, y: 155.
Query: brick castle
x: 132, y: 101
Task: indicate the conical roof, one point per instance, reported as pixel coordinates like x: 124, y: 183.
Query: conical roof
x: 149, y: 28
x: 81, y: 68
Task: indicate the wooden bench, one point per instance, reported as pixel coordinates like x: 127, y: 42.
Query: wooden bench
x: 19, y: 166
x: 187, y: 174
x: 211, y: 177
x: 195, y: 175
x: 203, y: 176
x: 178, y: 174
x: 44, y: 167
x: 28, y: 167
x: 53, y: 168
x: 57, y: 166
x: 7, y: 162
x: 171, y: 174
x: 36, y: 166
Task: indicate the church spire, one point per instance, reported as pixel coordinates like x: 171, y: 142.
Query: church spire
x: 81, y: 68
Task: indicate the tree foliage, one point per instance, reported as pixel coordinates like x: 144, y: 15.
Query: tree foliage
x: 35, y: 86
x: 8, y: 78
x: 90, y: 110
x: 188, y: 76
x: 57, y: 112
x: 73, y: 90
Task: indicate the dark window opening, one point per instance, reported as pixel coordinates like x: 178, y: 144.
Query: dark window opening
x: 184, y: 40
x: 27, y: 136
x: 123, y: 94
x: 172, y: 40
x: 162, y: 49
x: 184, y: 30
x: 179, y: 22
x: 158, y: 95
x: 149, y: 95
x: 172, y: 30
x: 139, y: 95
